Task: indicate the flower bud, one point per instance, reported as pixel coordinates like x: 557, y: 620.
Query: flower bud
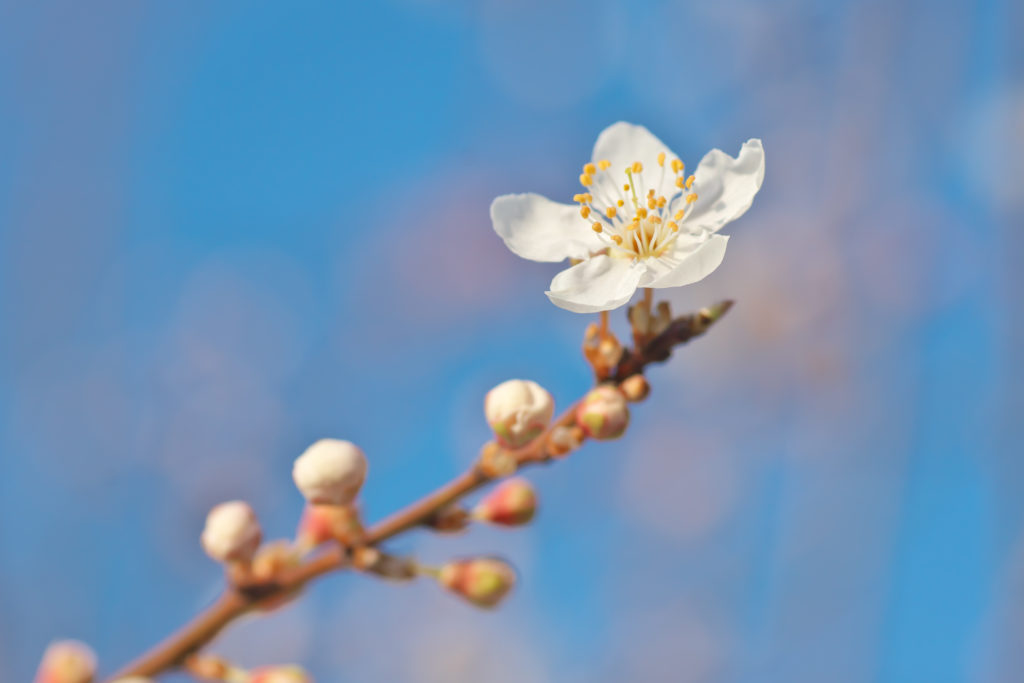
x: 635, y: 388
x: 67, y: 661
x: 280, y: 674
x: 322, y: 523
x: 483, y: 581
x: 330, y: 471
x: 496, y: 462
x: 518, y: 411
x: 603, y: 413
x: 512, y: 503
x: 232, y: 532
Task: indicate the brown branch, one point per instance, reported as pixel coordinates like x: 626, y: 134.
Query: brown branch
x: 236, y: 601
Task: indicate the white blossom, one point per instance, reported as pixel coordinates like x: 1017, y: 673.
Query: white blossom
x: 641, y: 221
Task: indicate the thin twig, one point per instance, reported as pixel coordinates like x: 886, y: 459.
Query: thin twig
x: 235, y: 602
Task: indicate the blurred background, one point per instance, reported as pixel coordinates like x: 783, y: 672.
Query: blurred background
x: 229, y: 229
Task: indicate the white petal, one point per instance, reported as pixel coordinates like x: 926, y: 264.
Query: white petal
x: 687, y: 264
x: 725, y: 186
x: 536, y: 228
x: 598, y: 284
x: 623, y: 143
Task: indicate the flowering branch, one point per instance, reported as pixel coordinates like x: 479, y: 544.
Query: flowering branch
x: 247, y: 590
x: 643, y: 229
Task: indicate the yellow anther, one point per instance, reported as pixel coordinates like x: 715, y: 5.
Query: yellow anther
x: 691, y: 198
x: 652, y: 203
x: 597, y: 227
x: 655, y: 219
x: 584, y: 211
x: 637, y: 167
x: 604, y: 164
x: 589, y: 169
x: 661, y: 158
x: 633, y: 226
x: 589, y: 197
x: 581, y: 198
x: 673, y: 226
x: 626, y: 187
x: 617, y: 239
x: 586, y: 180
x: 650, y: 193
x: 621, y: 203
x: 610, y: 212
x: 679, y: 215
x: 677, y: 166
x: 680, y: 183
x: 662, y: 202
x: 689, y: 182
x: 641, y: 212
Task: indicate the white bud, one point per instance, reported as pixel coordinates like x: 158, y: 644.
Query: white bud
x: 330, y: 472
x: 518, y: 411
x: 232, y: 532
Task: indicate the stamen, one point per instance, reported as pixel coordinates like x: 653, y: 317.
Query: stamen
x: 637, y: 167
x: 586, y: 180
x: 610, y: 212
x: 677, y: 166
x: 585, y: 211
x: 604, y: 164
x: 689, y: 182
x: 691, y: 198
x: 621, y: 203
x: 661, y: 158
x: 597, y: 227
x: 581, y: 198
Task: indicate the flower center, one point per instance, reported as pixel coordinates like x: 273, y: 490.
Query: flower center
x: 638, y: 221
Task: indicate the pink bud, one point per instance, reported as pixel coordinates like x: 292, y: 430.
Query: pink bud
x: 518, y: 411
x: 483, y: 581
x: 67, y: 661
x: 603, y: 413
x: 322, y: 523
x: 232, y: 532
x: 280, y: 674
x: 512, y: 503
x: 330, y: 471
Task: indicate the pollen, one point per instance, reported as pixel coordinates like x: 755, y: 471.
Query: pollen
x: 643, y: 219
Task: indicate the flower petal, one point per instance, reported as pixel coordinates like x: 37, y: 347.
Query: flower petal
x: 687, y: 264
x: 600, y: 283
x: 536, y: 228
x: 623, y: 143
x: 725, y: 186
